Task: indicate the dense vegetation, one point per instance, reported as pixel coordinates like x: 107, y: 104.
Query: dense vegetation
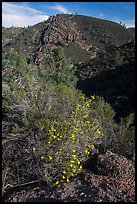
x: 50, y: 127
x: 111, y: 75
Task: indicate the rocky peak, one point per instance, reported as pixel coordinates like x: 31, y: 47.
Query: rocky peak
x: 63, y: 29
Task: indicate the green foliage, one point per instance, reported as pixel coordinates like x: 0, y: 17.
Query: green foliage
x: 16, y: 129
x: 58, y: 70
x: 76, y: 53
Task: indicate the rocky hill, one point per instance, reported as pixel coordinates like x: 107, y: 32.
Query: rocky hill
x: 79, y: 34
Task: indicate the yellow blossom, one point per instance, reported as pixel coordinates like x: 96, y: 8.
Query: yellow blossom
x: 86, y: 151
x: 42, y: 157
x: 67, y: 180
x: 63, y: 177
x: 50, y: 157
x: 73, y: 150
x: 93, y: 97
x: 74, y: 156
x: 74, y: 170
x: 87, y: 104
x: 34, y: 149
x: 80, y: 167
x: 49, y: 142
x: 78, y: 161
x: 71, y: 165
x: 98, y: 131
x: 64, y: 172
x: 72, y: 174
x: 57, y: 182
x: 72, y: 135
x: 75, y: 129
x: 85, y: 116
x: 54, y: 136
x: 88, y: 122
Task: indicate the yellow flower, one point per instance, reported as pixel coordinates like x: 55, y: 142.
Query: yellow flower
x: 42, y: 157
x: 50, y: 157
x: 72, y: 135
x: 73, y: 112
x: 85, y: 116
x: 63, y: 177
x: 86, y: 151
x: 49, y: 142
x: 87, y: 104
x: 71, y: 165
x: 74, y: 170
x: 34, y: 149
x: 93, y: 97
x: 80, y: 167
x: 57, y: 182
x: 98, y: 131
x: 54, y: 136
x: 64, y: 172
x: 82, y: 97
x: 75, y: 129
x: 78, y: 161
x: 72, y: 174
x: 88, y: 122
x: 73, y: 150
x: 56, y: 152
x: 67, y: 180
x: 60, y: 149
x: 74, y: 156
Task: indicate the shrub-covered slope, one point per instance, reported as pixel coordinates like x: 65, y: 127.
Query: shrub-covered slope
x: 50, y: 129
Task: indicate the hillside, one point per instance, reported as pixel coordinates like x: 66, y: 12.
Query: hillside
x: 132, y: 31
x: 76, y: 33
x: 8, y: 34
x: 68, y: 103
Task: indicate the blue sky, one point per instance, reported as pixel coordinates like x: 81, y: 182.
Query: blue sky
x: 29, y: 13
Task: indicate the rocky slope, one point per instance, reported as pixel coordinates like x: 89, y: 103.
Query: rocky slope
x: 108, y: 178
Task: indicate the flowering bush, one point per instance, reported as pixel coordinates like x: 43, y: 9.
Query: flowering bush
x: 69, y: 143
